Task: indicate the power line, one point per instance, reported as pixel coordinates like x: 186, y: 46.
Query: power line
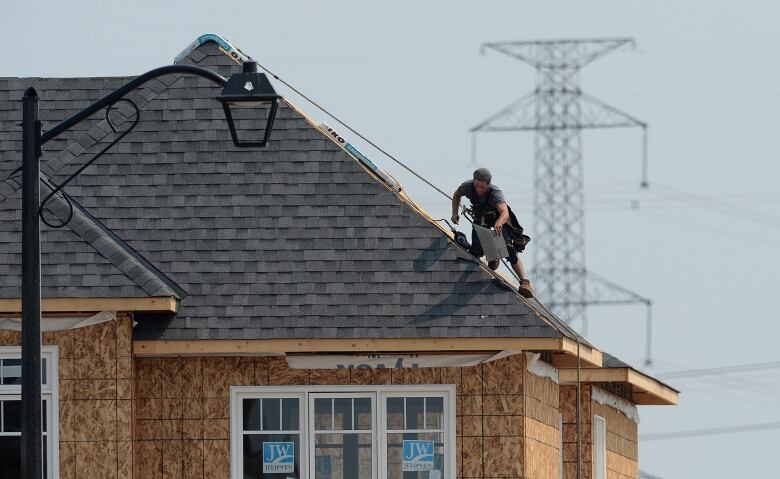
x: 660, y: 436
x: 742, y: 368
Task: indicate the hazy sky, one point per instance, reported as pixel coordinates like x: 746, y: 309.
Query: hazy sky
x: 704, y: 240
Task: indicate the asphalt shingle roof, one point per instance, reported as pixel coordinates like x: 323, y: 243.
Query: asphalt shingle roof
x: 293, y: 241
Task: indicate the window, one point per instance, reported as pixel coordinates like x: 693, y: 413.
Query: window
x: 599, y: 448
x: 342, y: 432
x: 10, y: 411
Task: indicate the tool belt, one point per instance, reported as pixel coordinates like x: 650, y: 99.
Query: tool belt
x: 488, y: 218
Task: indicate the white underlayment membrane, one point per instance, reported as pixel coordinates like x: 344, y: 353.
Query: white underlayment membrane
x: 537, y: 367
x: 608, y: 399
x: 60, y: 323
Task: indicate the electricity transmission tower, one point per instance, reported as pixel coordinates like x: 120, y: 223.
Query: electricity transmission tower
x: 557, y: 111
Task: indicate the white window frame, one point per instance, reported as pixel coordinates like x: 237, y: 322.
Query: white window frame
x: 380, y: 393
x: 311, y: 430
x: 599, y: 447
x: 50, y: 392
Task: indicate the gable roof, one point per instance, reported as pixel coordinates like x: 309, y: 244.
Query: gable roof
x: 297, y: 240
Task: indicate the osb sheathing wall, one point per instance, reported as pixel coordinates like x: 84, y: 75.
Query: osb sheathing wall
x: 542, y: 420
x: 95, y: 403
x: 622, y: 443
x: 622, y: 437
x: 182, y: 412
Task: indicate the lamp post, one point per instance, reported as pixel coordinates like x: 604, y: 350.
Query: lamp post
x: 246, y: 89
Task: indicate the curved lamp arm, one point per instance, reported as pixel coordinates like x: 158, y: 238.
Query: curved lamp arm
x: 117, y: 94
x: 107, y: 102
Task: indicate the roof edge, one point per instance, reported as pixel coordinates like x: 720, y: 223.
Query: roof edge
x: 217, y: 347
x: 159, y: 304
x: 646, y: 389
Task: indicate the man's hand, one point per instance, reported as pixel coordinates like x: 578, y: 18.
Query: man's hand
x: 503, y: 217
x: 455, y: 218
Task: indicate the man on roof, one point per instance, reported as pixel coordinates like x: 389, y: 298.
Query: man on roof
x: 490, y: 210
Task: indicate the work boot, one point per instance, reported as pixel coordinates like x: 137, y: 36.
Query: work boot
x: 525, y: 289
x: 493, y: 264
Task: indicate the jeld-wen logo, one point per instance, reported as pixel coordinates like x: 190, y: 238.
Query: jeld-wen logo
x: 418, y: 456
x: 278, y: 457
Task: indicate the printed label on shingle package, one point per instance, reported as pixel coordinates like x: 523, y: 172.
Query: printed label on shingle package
x: 358, y: 155
x: 278, y: 457
x: 418, y: 456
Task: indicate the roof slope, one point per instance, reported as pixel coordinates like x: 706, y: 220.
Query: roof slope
x: 293, y: 241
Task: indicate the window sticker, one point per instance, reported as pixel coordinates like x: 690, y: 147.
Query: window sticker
x: 418, y: 456
x: 278, y: 457
x: 322, y: 467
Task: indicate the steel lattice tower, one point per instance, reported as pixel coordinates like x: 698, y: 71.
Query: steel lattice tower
x: 557, y: 111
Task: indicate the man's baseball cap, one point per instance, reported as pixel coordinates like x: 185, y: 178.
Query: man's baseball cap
x: 482, y: 174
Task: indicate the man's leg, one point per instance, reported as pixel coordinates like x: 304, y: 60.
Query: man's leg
x: 476, y: 246
x: 525, y: 288
x: 518, y: 267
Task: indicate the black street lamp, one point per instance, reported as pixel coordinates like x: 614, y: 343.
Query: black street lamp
x: 246, y: 89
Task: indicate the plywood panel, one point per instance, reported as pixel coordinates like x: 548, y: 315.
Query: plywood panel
x: 171, y: 379
x: 216, y: 408
x: 124, y: 459
x: 67, y: 460
x: 472, y: 457
x: 192, y: 429
x: 216, y: 459
x: 503, y: 376
x: 148, y: 377
x: 502, y: 426
x: 503, y: 457
x: 192, y: 458
x: 124, y: 420
x: 279, y: 374
x: 469, y: 405
x: 96, y: 460
x: 148, y: 408
x: 472, y: 426
x: 216, y: 429
x: 370, y: 376
x: 541, y: 412
x: 172, y: 457
x: 541, y: 460
x: 172, y: 408
x: 503, y: 404
x: 471, y: 380
x: 171, y: 429
x: 191, y: 373
x: 124, y: 389
x: 148, y: 459
x: 192, y: 408
x: 622, y: 465
x: 329, y: 376
x: 96, y: 341
x: 148, y: 429
x: 542, y: 433
x: 87, y: 420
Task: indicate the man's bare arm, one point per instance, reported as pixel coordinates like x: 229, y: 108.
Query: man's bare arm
x: 503, y: 217
x: 456, y: 206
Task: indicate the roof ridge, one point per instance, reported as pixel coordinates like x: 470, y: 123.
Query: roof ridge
x: 110, y: 246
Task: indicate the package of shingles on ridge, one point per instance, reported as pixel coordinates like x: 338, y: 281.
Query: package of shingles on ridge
x: 363, y: 159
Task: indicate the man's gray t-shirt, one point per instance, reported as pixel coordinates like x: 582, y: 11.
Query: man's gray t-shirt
x: 491, y: 200
x: 486, y: 207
